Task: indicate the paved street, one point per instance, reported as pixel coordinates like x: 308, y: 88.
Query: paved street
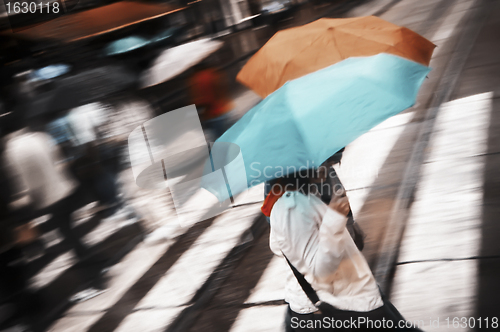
x: 449, y: 259
x: 219, y: 274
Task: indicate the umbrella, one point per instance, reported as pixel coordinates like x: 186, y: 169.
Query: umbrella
x: 298, y: 51
x: 165, y: 36
x: 175, y: 60
x: 81, y: 89
x: 310, y: 118
x: 50, y: 72
x: 125, y: 45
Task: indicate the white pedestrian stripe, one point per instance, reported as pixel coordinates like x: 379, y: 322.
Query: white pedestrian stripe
x: 445, y: 218
x: 271, y: 285
x: 192, y: 269
x: 261, y: 319
x: 122, y: 276
x: 75, y: 323
x: 364, y: 157
x: 68, y: 259
x: 53, y: 270
x: 106, y: 228
x: 149, y: 320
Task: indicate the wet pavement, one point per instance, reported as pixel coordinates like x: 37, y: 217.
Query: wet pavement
x: 450, y: 258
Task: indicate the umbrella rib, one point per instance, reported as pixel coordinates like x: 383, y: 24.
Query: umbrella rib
x: 283, y: 71
x: 337, y: 46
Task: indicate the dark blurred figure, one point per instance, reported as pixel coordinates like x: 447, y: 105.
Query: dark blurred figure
x: 333, y: 187
x: 92, y: 158
x: 210, y: 93
x: 50, y: 187
x: 18, y: 305
x: 93, y: 155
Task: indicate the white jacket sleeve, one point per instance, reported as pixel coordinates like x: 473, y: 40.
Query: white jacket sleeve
x: 331, y: 244
x: 315, y: 245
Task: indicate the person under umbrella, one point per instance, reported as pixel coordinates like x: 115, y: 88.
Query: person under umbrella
x: 301, y: 125
x: 331, y: 279
x: 330, y: 187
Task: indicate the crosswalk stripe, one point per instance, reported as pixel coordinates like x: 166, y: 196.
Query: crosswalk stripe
x: 149, y: 320
x: 117, y: 291
x: 53, y: 270
x: 267, y: 319
x: 122, y: 276
x: 445, y: 219
x: 56, y: 246
x: 185, y: 277
x: 365, y: 156
x: 271, y: 285
x: 126, y: 304
x: 66, y: 260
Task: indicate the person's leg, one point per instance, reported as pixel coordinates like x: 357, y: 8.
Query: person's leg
x: 63, y: 220
x: 295, y: 322
x: 12, y: 278
x: 380, y: 319
x: 61, y: 216
x: 391, y: 313
x: 288, y: 320
x: 22, y: 302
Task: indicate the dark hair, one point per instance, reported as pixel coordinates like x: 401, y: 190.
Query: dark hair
x: 300, y: 181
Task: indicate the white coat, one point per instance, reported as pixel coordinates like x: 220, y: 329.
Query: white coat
x: 315, y: 240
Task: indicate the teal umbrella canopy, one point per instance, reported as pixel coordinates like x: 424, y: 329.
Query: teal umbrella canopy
x: 308, y: 119
x: 125, y: 45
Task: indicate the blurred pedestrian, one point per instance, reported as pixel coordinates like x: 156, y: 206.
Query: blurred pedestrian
x: 17, y: 303
x: 50, y: 187
x: 90, y: 154
x: 331, y: 279
x: 209, y: 91
x: 93, y: 156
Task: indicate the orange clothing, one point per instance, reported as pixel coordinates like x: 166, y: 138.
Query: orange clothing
x: 208, y: 90
x: 270, y: 200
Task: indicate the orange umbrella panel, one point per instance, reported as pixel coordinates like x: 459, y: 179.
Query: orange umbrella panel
x: 298, y: 51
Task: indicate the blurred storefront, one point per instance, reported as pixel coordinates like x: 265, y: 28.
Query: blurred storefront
x: 217, y: 15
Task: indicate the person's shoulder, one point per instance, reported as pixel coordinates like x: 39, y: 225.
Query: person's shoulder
x: 21, y: 139
x: 293, y: 206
